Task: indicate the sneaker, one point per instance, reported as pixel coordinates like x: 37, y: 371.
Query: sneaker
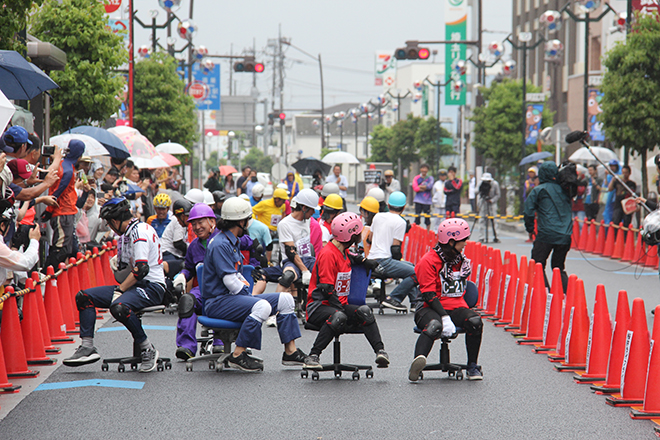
x: 217, y: 349
x: 82, y: 356
x: 244, y: 362
x: 394, y: 304
x: 184, y: 353
x: 382, y: 359
x: 149, y: 359
x: 474, y: 372
x: 271, y: 321
x: 416, y: 367
x: 295, y: 359
x: 313, y: 362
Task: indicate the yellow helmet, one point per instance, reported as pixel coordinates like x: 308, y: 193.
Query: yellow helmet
x: 334, y: 201
x: 279, y: 193
x: 370, y: 204
x: 162, y: 200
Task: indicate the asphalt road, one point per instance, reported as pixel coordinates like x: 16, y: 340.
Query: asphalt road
x: 521, y: 395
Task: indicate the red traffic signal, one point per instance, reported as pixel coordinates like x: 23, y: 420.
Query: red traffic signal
x: 282, y: 116
x: 412, y: 52
x: 259, y: 67
x: 423, y: 53
x: 248, y: 65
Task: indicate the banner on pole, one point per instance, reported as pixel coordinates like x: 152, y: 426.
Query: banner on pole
x: 385, y: 69
x: 455, y: 30
x: 534, y: 117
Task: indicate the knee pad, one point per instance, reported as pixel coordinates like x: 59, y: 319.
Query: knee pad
x: 286, y: 305
x: 287, y: 278
x: 474, y: 325
x: 186, y: 306
x: 365, y: 315
x: 433, y: 329
x: 120, y: 312
x: 337, y: 321
x: 261, y: 310
x: 83, y: 301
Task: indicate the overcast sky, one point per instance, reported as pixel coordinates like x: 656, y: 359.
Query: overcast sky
x: 346, y: 34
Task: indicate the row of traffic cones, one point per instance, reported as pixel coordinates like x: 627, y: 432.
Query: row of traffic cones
x: 48, y: 319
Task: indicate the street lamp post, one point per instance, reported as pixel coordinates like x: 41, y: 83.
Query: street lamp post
x: 398, y: 98
x: 230, y: 144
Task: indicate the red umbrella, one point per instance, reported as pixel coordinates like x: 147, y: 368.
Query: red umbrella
x: 226, y: 169
x: 171, y: 160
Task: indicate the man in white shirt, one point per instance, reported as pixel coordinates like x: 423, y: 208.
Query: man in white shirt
x: 175, y: 237
x: 439, y: 198
x: 388, y: 230
x: 390, y: 184
x: 338, y: 178
x: 472, y: 191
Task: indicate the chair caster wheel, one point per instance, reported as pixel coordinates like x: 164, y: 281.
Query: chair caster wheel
x: 121, y: 368
x: 304, y: 374
x: 369, y: 373
x: 315, y: 375
x: 168, y: 365
x: 211, y: 365
x: 219, y: 366
x: 459, y: 375
x: 356, y: 375
x: 189, y: 366
x: 337, y: 374
x: 134, y: 366
x: 160, y: 367
x: 104, y: 366
x: 381, y: 312
x: 421, y: 376
x: 451, y: 373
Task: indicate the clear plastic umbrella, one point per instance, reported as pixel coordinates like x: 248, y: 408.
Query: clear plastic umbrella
x: 92, y: 146
x: 583, y: 155
x: 172, y: 148
x: 7, y: 110
x: 340, y: 157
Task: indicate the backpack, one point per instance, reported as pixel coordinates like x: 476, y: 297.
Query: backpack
x: 567, y: 178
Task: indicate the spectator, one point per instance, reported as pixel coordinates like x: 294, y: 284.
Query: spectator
x: 530, y: 182
x: 252, y: 180
x: 338, y: 178
x: 620, y: 194
x: 292, y: 187
x: 213, y: 181
x: 317, y: 180
x: 11, y: 260
x: 119, y: 165
x: 472, y: 191
x: 422, y: 184
x: 219, y: 198
x: 439, y: 198
x: 453, y: 187
x: 241, y: 183
x: 578, y: 201
x: 608, y: 212
x: 230, y: 185
x: 551, y: 206
x: 82, y: 221
x: 592, y: 193
x: 390, y: 184
x: 489, y: 194
x: 110, y: 180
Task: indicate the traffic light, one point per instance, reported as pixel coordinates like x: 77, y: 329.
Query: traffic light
x: 282, y: 117
x: 412, y: 52
x: 248, y: 65
x: 272, y: 117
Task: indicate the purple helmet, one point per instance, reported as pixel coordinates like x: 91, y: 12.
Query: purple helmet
x: 345, y: 226
x: 455, y: 229
x: 201, y: 210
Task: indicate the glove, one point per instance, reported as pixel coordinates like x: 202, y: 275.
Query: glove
x: 370, y: 264
x: 306, y: 277
x: 179, y: 282
x: 428, y: 296
x: 448, y: 327
x: 113, y: 263
x: 117, y: 293
x: 258, y: 274
x: 356, y: 260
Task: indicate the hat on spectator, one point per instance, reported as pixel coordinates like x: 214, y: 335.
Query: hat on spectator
x: 16, y: 135
x: 20, y: 168
x: 86, y: 159
x: 389, y: 173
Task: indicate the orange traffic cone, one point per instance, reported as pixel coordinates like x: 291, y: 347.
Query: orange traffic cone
x: 74, y: 284
x: 45, y: 332
x: 527, y: 296
x: 584, y: 236
x: 475, y: 256
x: 639, y: 256
x: 98, y: 269
x: 617, y: 347
x: 90, y: 269
x: 600, y: 242
x: 629, y: 251
x: 552, y: 323
x: 600, y: 339
x: 509, y: 299
x: 12, y: 339
x: 575, y: 237
x: 609, y: 242
x: 651, y: 408
x: 651, y: 256
x: 578, y: 338
x: 619, y: 245
x: 66, y: 300
x: 31, y: 329
x: 481, y: 276
x: 6, y: 387
x: 560, y: 353
x: 108, y: 276
x: 55, y: 321
x: 504, y: 285
x: 83, y: 274
x: 538, y: 300
x: 520, y: 296
x: 635, y: 363
x: 490, y: 296
x: 591, y: 243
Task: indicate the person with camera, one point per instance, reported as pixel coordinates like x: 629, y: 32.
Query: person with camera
x: 422, y: 184
x: 453, y: 187
x: 390, y: 184
x: 592, y: 194
x: 489, y: 194
x: 213, y: 181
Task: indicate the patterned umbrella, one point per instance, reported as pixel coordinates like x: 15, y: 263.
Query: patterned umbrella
x: 138, y: 145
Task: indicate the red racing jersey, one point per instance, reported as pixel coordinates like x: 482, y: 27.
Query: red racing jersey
x: 431, y: 277
x: 332, y: 267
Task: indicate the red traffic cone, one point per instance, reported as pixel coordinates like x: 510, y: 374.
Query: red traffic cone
x: 12, y: 339
x: 584, y: 236
x: 635, y: 363
x: 519, y: 303
x: 74, y: 284
x: 6, y: 387
x: 66, y: 299
x: 600, y: 242
x: 56, y: 325
x: 31, y: 329
x: 481, y: 276
x: 609, y: 241
x: 108, y: 276
x: 45, y: 332
x: 98, y: 269
x: 538, y: 300
x: 552, y: 323
x: 651, y: 256
x: 560, y: 353
x: 509, y: 299
x: 83, y: 274
x: 600, y: 339
x: 617, y: 347
x: 89, y: 263
x: 629, y: 250
x: 575, y: 237
x: 651, y: 408
x: 491, y: 294
x: 504, y: 285
x: 578, y: 338
x: 639, y: 256
x: 619, y: 245
x: 527, y: 297
x: 591, y: 243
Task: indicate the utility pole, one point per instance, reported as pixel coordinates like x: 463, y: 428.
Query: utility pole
x: 281, y: 75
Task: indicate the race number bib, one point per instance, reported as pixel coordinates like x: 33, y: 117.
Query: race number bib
x: 343, y: 283
x: 274, y: 220
x: 304, y: 247
x: 453, y: 287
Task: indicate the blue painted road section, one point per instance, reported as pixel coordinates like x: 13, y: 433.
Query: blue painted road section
x: 91, y: 383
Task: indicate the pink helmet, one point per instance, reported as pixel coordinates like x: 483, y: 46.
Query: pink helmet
x: 201, y: 210
x: 345, y: 226
x: 455, y: 229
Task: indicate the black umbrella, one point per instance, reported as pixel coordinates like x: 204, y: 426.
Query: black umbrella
x: 308, y: 165
x: 110, y: 141
x: 21, y: 80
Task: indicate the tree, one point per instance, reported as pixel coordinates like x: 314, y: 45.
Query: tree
x: 498, y: 124
x: 631, y: 91
x: 257, y: 160
x: 89, y: 84
x: 13, y: 19
x: 428, y: 142
x: 381, y: 137
x: 163, y: 111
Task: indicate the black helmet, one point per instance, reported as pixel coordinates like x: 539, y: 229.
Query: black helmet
x: 181, y: 206
x: 219, y: 196
x: 117, y: 208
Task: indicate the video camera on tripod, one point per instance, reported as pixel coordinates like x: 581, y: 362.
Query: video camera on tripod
x: 485, y: 186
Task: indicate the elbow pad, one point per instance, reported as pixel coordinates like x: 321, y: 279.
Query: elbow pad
x: 396, y: 252
x: 323, y: 292
x: 181, y: 246
x: 290, y: 252
x: 140, y: 270
x: 428, y: 296
x: 234, y: 282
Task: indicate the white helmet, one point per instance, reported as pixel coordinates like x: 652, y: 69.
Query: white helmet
x: 651, y: 228
x: 283, y: 186
x: 307, y: 197
x: 377, y: 194
x: 208, y: 197
x: 235, y: 208
x: 194, y: 196
x: 258, y: 190
x: 244, y: 197
x: 329, y: 188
